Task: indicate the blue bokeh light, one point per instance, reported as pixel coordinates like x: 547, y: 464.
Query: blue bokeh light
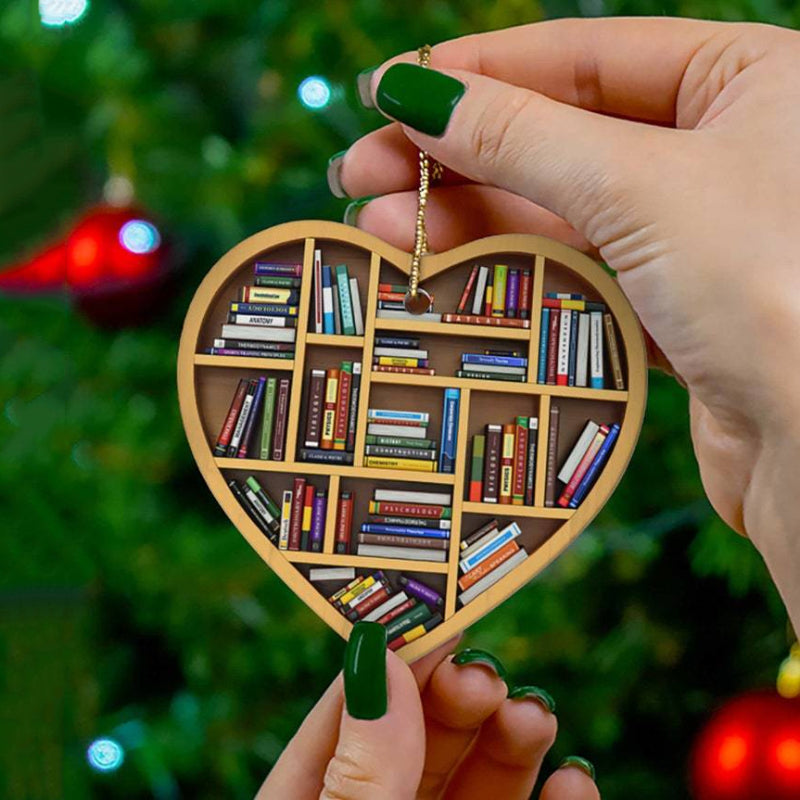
x: 139, y: 237
x: 55, y: 13
x: 314, y: 92
x: 105, y: 755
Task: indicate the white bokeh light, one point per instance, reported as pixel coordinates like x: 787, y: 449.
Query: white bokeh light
x: 105, y: 755
x: 55, y: 13
x: 139, y: 236
x: 314, y: 92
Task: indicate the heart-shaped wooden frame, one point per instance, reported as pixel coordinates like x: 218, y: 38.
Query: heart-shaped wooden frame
x: 200, y: 384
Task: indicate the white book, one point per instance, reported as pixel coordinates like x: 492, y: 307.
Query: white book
x: 318, y: 291
x: 486, y: 545
x: 386, y: 313
x: 259, y: 334
x: 244, y: 413
x: 355, y: 304
x: 400, y: 496
x: 489, y: 580
x: 413, y: 553
x: 331, y: 574
x: 399, y: 352
x: 385, y: 607
x: 596, y: 350
x: 493, y: 368
x: 286, y: 519
x: 327, y: 308
x: 582, y: 356
x: 389, y: 414
x: 409, y: 431
x: 262, y: 321
x: 578, y: 452
x: 564, y: 330
x: 480, y: 290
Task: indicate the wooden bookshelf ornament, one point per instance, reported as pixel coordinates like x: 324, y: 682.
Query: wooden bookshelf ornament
x: 207, y: 382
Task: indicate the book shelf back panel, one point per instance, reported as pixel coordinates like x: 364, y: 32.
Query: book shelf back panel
x: 573, y: 416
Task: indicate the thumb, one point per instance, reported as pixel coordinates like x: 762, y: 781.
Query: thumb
x: 579, y: 164
x: 381, y: 748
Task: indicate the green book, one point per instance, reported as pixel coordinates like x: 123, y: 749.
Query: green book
x: 264, y: 497
x: 499, y: 291
x: 402, y: 441
x: 278, y: 281
x: 476, y: 468
x: 269, y: 418
x: 345, y: 303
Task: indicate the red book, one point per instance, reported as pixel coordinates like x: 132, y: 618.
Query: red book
x: 371, y: 603
x: 225, y: 434
x: 281, y: 414
x: 525, y: 287
x: 344, y: 522
x: 495, y: 322
x: 583, y: 465
x: 406, y: 605
x: 404, y: 370
x: 491, y: 463
x: 343, y: 406
x: 462, y: 303
x: 552, y: 346
x: 296, y: 519
x: 316, y: 391
x: 318, y: 327
x: 397, y: 297
x: 520, y: 460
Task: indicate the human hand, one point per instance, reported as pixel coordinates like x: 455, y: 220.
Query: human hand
x: 667, y: 146
x: 449, y: 729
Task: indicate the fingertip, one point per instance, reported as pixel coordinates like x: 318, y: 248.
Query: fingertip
x: 573, y: 780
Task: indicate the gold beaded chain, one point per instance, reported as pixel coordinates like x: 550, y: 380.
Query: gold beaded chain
x: 418, y: 301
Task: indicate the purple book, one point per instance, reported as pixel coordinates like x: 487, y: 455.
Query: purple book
x: 512, y: 293
x: 250, y: 425
x: 318, y: 513
x: 272, y: 268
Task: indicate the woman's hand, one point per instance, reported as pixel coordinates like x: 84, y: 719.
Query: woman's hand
x: 670, y: 148
x: 445, y: 728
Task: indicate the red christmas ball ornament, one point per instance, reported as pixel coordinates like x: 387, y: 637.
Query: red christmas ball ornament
x: 750, y: 750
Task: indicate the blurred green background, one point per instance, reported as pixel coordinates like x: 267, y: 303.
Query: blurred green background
x: 129, y: 607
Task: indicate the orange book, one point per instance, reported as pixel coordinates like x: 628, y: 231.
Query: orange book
x: 329, y: 409
x: 487, y: 565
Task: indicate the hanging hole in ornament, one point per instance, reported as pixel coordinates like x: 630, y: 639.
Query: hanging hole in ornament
x: 419, y: 303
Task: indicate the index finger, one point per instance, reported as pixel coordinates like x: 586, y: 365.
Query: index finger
x: 629, y: 67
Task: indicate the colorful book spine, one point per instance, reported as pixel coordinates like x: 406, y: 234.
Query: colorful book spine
x: 400, y: 452
x: 485, y: 567
x: 488, y: 298
x: 249, y: 509
x: 262, y: 503
x: 552, y: 346
x: 402, y: 624
x: 345, y: 303
x: 578, y: 450
x: 573, y: 304
x: 337, y: 313
x: 413, y: 587
x: 525, y: 292
x: 316, y: 391
x: 496, y: 541
x: 499, y: 290
x: 403, y: 509
x: 573, y: 348
x: 512, y: 293
x: 494, y: 322
x: 275, y: 268
x: 268, y: 294
x: 344, y: 522
x: 415, y: 633
x: 411, y: 522
x: 317, y: 456
x: 582, y: 356
x: 329, y: 409
x: 493, y: 577
x: 296, y: 523
x: 596, y: 350
x: 397, y: 341
x: 450, y: 412
x: 260, y: 321
x: 613, y: 352
x: 596, y: 465
x: 279, y: 309
x: 599, y: 435
x: 520, y: 456
x: 229, y: 351
x: 493, y: 361
x: 318, y: 324
x: 507, y: 465
x: 327, y: 300
x: 244, y: 344
x: 414, y: 465
x: 530, y: 464
x: 244, y: 414
x: 404, y: 370
x: 250, y: 425
x: 308, y: 511
x: 258, y: 333
x: 462, y: 303
x: 478, y: 534
x: 342, y: 405
x: 564, y: 335
x: 399, y: 361
x: 480, y: 291
x: 355, y: 301
x: 491, y: 472
x: 552, y: 457
x: 489, y: 376
x: 286, y: 520
x: 226, y: 433
x: 277, y: 281
x: 406, y: 530
x: 270, y: 399
x: 476, y: 468
x: 352, y: 415
x: 281, y: 416
x: 544, y: 330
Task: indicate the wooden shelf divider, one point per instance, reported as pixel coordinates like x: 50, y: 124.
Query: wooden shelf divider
x: 541, y: 451
x: 537, y: 294
x: 528, y: 512
x: 335, y: 340
x: 370, y: 562
x: 452, y: 329
x: 243, y: 362
x: 330, y: 514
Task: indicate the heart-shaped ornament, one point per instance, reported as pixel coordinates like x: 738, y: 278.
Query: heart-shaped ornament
x: 431, y: 591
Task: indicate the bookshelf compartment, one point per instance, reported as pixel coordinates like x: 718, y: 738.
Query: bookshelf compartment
x: 207, y: 383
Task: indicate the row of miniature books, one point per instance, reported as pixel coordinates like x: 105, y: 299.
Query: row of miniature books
x: 331, y: 413
x: 255, y: 425
x: 337, y: 302
x: 401, y: 354
x: 400, y: 524
x: 571, y: 339
x: 402, y: 439
x: 406, y: 607
x: 262, y: 319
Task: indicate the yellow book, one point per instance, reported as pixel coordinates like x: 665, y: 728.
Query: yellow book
x: 499, y: 290
x: 356, y: 591
x: 507, y: 465
x: 268, y: 294
x: 397, y: 361
x: 329, y: 412
x: 414, y: 464
x: 291, y: 311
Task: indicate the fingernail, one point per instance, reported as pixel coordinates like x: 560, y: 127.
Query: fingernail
x: 362, y: 87
x: 534, y: 693
x: 335, y: 174
x: 420, y: 97
x: 470, y: 656
x: 352, y: 211
x: 580, y: 763
x: 365, y: 671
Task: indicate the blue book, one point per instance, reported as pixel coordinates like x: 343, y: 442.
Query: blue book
x: 447, y: 452
x: 544, y: 333
x: 345, y: 305
x: 494, y: 361
x: 327, y: 300
x: 573, y: 349
x: 511, y: 531
x: 564, y: 295
x: 401, y: 530
x: 594, y: 468
x: 250, y: 425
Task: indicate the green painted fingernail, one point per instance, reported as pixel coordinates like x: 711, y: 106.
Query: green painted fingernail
x: 534, y: 693
x: 365, y: 671
x: 352, y: 211
x: 420, y: 97
x: 335, y: 174
x: 362, y: 87
x: 580, y: 763
x: 471, y: 656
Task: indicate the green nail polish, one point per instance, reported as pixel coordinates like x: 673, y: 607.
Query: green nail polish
x: 365, y: 671
x: 534, y: 693
x: 580, y: 763
x: 335, y: 174
x: 470, y: 656
x: 420, y: 97
x: 352, y: 210
x: 362, y: 87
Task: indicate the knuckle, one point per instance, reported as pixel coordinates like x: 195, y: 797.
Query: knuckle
x: 496, y: 141
x: 347, y: 778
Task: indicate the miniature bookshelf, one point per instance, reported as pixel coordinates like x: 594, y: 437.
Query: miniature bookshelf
x: 206, y: 383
